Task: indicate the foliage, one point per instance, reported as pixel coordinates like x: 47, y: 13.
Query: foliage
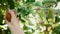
x: 36, y: 17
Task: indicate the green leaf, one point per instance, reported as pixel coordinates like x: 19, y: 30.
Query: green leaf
x: 0, y: 31
x: 25, y: 27
x: 58, y: 0
x: 56, y: 30
x: 30, y: 1
x: 28, y: 32
x: 11, y: 4
x: 1, y: 18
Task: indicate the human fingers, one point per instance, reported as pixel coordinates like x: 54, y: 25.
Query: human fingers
x: 8, y: 23
x: 13, y: 13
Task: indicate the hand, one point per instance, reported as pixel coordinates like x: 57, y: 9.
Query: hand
x: 14, y: 24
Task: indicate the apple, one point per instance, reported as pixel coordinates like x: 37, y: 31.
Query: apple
x: 8, y: 16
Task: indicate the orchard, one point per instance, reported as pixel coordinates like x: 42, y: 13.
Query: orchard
x: 35, y: 16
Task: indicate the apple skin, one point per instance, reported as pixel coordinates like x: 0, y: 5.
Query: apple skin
x: 8, y: 16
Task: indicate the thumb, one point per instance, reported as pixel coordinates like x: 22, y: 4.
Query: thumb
x: 6, y: 20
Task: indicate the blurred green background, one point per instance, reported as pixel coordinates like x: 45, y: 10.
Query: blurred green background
x: 36, y: 16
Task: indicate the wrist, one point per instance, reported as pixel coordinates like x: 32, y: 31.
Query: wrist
x: 17, y: 30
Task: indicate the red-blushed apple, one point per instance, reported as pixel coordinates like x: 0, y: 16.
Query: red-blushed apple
x: 8, y: 16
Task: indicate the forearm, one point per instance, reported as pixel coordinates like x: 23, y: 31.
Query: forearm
x: 16, y: 30
x: 13, y: 24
